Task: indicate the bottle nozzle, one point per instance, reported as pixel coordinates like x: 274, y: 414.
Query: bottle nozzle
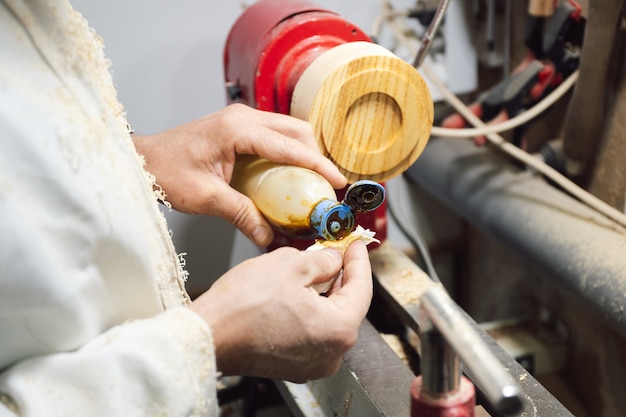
x: 332, y: 220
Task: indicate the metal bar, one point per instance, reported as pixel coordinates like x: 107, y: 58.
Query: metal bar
x: 484, y: 368
x: 427, y: 40
x: 506, y: 44
x: 440, y: 365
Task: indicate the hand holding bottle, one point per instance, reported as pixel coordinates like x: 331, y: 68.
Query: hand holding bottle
x: 193, y: 163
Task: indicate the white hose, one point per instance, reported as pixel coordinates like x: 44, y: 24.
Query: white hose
x: 516, y: 121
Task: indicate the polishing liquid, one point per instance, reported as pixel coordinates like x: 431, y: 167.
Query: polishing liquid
x: 296, y: 201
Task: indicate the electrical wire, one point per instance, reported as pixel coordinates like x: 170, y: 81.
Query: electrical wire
x: 408, y: 228
x: 507, y: 147
x: 405, y: 222
x: 514, y: 122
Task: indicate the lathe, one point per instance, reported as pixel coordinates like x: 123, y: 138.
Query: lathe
x: 373, y: 115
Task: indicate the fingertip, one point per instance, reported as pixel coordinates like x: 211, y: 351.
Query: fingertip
x: 341, y: 181
x: 332, y: 174
x: 358, y: 246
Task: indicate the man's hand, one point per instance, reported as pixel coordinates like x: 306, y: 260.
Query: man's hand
x: 267, y: 322
x: 193, y: 163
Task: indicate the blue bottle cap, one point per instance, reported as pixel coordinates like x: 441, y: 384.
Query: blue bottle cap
x: 332, y: 220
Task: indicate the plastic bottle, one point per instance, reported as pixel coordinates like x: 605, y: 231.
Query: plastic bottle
x: 297, y: 201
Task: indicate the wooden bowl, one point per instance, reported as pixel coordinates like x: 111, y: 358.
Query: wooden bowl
x: 371, y: 111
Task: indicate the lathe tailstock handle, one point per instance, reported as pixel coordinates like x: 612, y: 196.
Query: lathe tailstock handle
x: 441, y: 314
x: 371, y: 111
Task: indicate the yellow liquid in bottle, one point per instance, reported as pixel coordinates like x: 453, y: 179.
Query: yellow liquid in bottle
x: 284, y: 194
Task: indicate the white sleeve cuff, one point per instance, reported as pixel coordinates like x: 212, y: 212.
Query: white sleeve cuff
x: 163, y: 365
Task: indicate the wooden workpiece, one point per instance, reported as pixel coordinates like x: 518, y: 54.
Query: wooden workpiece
x: 371, y: 111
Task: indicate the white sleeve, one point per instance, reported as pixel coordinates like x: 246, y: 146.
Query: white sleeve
x: 162, y: 366
x: 84, y: 248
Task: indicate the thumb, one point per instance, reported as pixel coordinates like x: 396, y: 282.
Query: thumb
x: 242, y: 213
x: 325, y: 264
x: 355, y: 293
